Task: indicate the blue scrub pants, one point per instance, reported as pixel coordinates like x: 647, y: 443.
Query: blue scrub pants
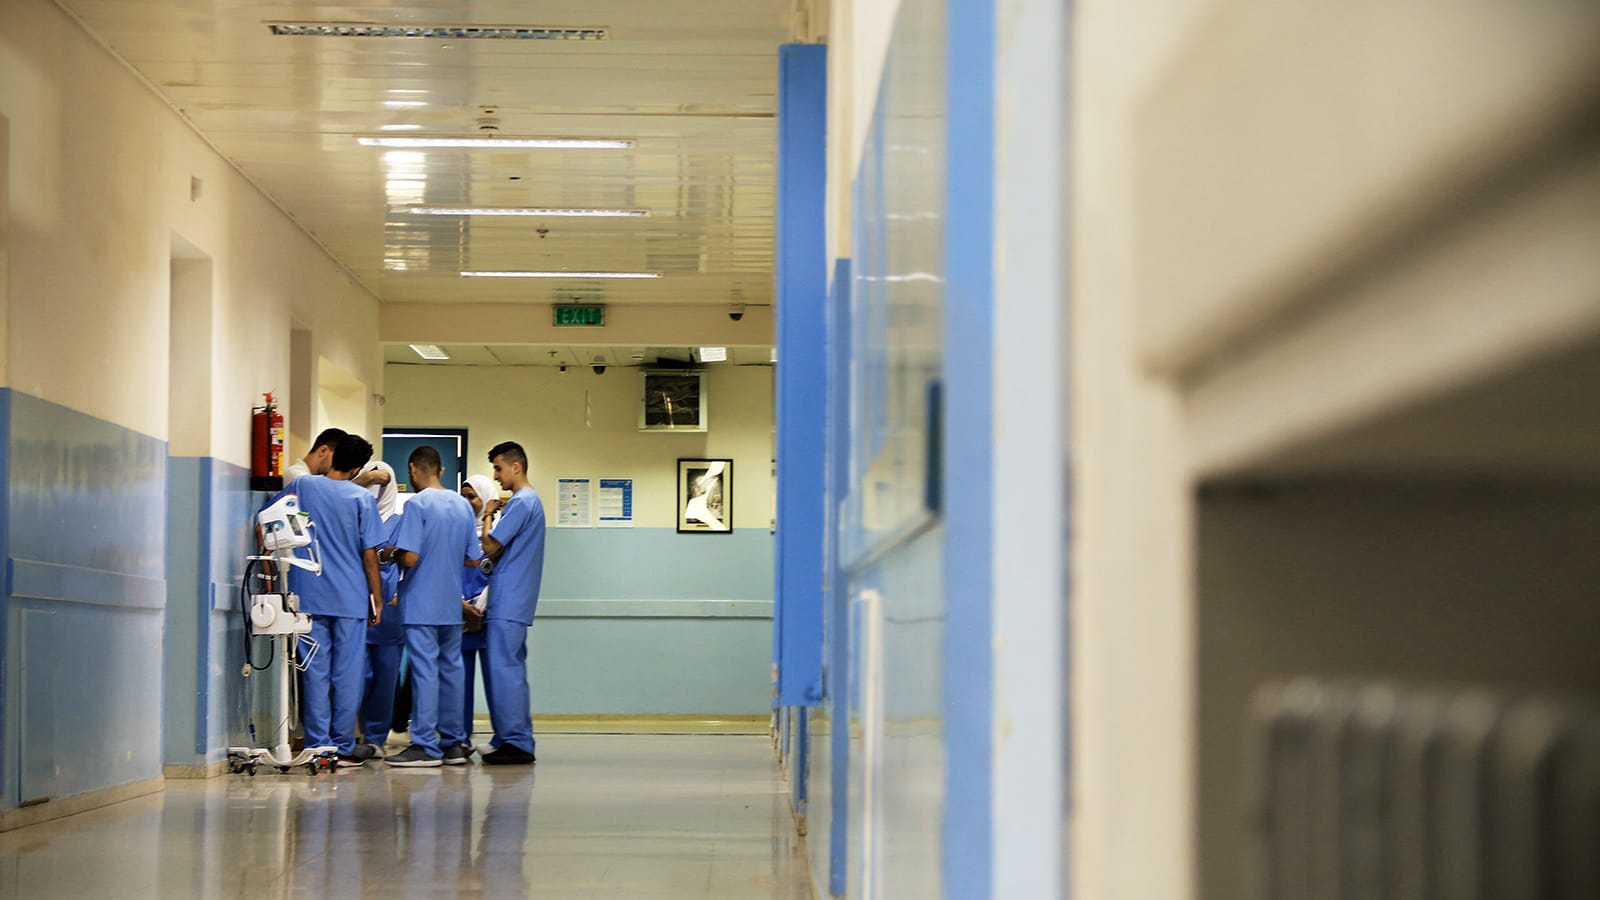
x: 333, y: 682
x: 377, y: 703
x: 474, y: 654
x: 436, y: 677
x: 510, y: 710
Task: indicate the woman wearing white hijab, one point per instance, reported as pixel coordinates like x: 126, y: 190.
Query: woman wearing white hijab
x: 484, y: 495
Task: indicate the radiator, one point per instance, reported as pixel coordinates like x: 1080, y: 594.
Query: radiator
x: 1373, y: 791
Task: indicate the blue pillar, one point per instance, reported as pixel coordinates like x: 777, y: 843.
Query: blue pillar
x: 802, y: 293
x: 968, y: 471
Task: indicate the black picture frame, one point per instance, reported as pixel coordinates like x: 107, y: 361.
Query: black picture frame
x: 672, y: 401
x: 705, y: 496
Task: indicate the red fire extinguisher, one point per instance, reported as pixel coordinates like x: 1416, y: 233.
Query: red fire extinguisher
x: 266, y: 439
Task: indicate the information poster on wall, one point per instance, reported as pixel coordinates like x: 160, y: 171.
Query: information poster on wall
x: 574, y: 502
x: 616, y: 503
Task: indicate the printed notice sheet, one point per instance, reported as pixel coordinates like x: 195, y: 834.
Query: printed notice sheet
x: 616, y: 503
x: 574, y: 502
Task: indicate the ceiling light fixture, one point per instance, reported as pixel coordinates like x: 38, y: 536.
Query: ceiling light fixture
x: 397, y: 128
x: 430, y: 351
x: 525, y: 211
x: 458, y: 142
x: 447, y: 32
x: 713, y: 354
x: 405, y: 104
x: 560, y: 274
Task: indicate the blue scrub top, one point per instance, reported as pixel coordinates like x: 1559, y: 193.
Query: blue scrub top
x: 391, y: 630
x: 438, y: 526
x: 346, y: 522
x: 514, y: 584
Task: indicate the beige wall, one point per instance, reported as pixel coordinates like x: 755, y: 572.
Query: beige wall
x: 1133, y: 623
x: 100, y: 173
x: 858, y: 33
x: 545, y: 410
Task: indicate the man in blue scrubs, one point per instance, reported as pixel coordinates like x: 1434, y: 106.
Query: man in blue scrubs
x: 438, y: 536
x: 386, y: 641
x: 516, y: 544
x: 343, y: 599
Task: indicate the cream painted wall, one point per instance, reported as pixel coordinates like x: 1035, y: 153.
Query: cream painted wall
x: 544, y: 410
x: 1133, y: 691
x: 858, y: 43
x: 101, y: 174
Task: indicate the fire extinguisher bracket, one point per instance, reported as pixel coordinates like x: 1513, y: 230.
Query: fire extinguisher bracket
x: 272, y: 483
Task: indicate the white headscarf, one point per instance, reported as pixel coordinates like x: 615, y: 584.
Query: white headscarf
x: 484, y: 487
x: 388, y: 502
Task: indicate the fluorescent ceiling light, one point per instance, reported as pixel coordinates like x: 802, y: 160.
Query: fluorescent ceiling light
x: 560, y: 274
x: 523, y: 211
x: 459, y: 142
x: 430, y: 351
x: 396, y: 128
x: 449, y: 32
x: 713, y: 354
x: 405, y: 104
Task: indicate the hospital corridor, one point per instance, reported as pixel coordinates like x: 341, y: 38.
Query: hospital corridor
x: 806, y: 449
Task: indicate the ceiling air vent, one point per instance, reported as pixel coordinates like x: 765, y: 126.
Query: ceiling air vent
x: 449, y: 32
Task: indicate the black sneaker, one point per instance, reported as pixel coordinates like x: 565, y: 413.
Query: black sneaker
x: 350, y: 761
x: 457, y: 754
x: 413, y: 757
x: 365, y: 752
x: 507, y: 755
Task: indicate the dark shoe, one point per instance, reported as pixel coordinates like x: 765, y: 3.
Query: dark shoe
x: 508, y: 755
x: 413, y: 757
x: 457, y: 754
x: 365, y: 752
x: 350, y: 762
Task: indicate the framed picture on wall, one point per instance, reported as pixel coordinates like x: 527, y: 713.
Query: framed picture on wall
x: 673, y: 401
x: 705, y: 496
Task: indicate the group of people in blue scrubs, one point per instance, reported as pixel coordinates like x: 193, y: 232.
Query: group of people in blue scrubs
x: 399, y: 585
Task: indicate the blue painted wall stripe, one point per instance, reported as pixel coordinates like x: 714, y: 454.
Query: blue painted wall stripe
x: 837, y: 673
x: 85, y: 539
x: 968, y: 429
x: 9, y: 769
x: 801, y: 383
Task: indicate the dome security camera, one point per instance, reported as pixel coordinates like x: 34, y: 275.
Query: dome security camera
x: 599, y: 369
x: 736, y: 311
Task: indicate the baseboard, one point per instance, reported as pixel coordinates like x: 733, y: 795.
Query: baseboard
x: 629, y: 723
x: 61, y: 807
x: 193, y: 772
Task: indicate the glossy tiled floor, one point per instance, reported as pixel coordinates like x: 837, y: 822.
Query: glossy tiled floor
x: 599, y: 816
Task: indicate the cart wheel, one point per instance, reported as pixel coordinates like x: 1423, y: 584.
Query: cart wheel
x: 252, y: 770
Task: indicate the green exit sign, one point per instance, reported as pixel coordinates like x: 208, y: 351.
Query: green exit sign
x: 580, y: 314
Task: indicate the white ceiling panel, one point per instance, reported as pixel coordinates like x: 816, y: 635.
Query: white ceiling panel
x: 693, y: 84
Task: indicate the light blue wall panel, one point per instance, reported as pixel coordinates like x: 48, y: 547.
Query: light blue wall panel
x: 85, y: 598
x: 646, y: 621
x: 891, y: 532
x: 644, y: 666
x: 232, y: 528
x: 85, y: 492
x: 187, y: 592
x: 829, y: 774
x: 657, y: 563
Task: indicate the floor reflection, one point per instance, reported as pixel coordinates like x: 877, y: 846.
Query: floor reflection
x: 601, y: 816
